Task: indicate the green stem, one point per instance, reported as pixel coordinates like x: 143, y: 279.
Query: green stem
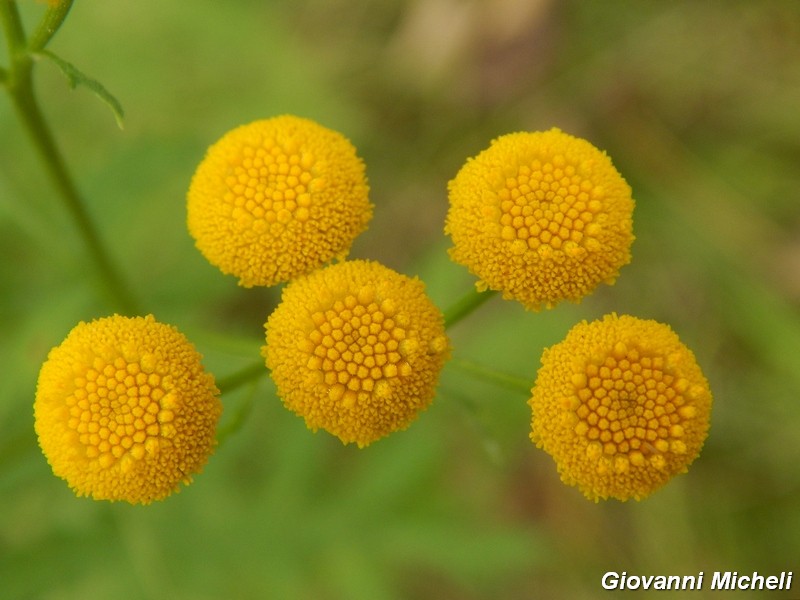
x: 249, y: 374
x: 236, y: 380
x: 12, y: 26
x: 33, y: 119
x: 506, y: 380
x: 465, y: 306
x: 50, y: 23
x: 19, y: 83
x: 237, y: 421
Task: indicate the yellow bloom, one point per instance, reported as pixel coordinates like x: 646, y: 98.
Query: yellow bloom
x: 125, y: 411
x: 276, y: 199
x: 621, y: 405
x: 356, y: 349
x: 542, y: 217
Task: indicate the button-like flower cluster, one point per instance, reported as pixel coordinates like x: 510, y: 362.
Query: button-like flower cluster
x: 621, y: 405
x: 277, y: 198
x: 356, y: 349
x: 541, y: 217
x: 125, y: 411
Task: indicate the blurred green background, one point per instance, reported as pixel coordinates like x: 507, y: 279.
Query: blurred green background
x: 698, y: 104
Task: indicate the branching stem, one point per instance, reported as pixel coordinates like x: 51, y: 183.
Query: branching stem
x: 18, y: 81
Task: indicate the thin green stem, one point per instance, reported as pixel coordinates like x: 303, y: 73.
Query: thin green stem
x: 19, y: 83
x: 12, y: 26
x: 506, y: 380
x: 238, y: 420
x: 49, y: 25
x: 239, y: 378
x: 34, y: 121
x: 465, y: 306
x: 247, y: 375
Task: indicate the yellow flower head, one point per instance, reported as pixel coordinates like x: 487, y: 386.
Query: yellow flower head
x: 542, y: 217
x: 125, y: 411
x: 621, y: 405
x: 277, y: 198
x: 356, y: 349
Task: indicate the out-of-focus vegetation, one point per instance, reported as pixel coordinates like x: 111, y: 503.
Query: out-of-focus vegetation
x: 698, y: 104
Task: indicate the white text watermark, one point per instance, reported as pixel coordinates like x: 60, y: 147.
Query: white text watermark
x: 716, y: 580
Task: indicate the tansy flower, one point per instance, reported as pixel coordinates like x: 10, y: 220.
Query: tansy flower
x: 125, y: 411
x: 542, y: 217
x: 277, y: 198
x: 356, y: 349
x: 621, y: 405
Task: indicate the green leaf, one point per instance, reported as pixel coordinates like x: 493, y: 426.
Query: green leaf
x: 76, y: 77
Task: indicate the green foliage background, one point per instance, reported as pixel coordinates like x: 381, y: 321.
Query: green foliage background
x: 698, y: 104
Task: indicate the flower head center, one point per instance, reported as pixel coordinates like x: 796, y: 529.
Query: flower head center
x: 359, y: 344
x: 119, y: 410
x: 270, y: 184
x: 629, y: 408
x: 548, y: 207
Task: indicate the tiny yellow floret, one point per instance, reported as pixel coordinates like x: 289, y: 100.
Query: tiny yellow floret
x: 277, y: 198
x: 540, y: 216
x: 622, y: 407
x: 356, y: 349
x: 125, y: 411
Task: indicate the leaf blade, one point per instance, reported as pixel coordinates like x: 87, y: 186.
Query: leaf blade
x: 76, y: 77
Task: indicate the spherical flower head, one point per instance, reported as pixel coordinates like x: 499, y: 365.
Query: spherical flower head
x: 125, y: 411
x: 621, y: 405
x: 540, y: 216
x: 356, y: 349
x: 276, y: 199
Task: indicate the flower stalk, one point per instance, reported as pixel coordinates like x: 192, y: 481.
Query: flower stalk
x: 241, y: 377
x: 18, y: 80
x: 465, y: 306
x: 504, y: 380
x: 49, y: 25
